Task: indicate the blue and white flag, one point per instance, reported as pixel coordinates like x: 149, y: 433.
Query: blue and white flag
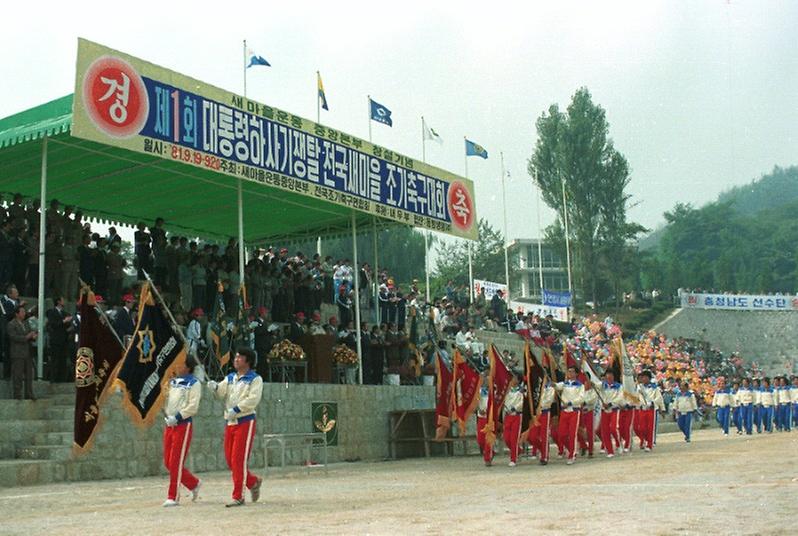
x: 474, y: 149
x: 253, y: 59
x: 380, y: 113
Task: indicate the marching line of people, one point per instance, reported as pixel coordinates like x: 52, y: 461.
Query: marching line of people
x: 569, y: 410
x: 757, y: 404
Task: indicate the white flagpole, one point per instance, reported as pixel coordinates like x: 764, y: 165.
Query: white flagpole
x: 468, y: 242
x: 357, y: 299
x: 426, y: 231
x: 42, y: 214
x: 567, y: 242
x: 318, y: 100
x: 368, y: 98
x: 240, y: 199
x: 540, y: 247
x: 506, y: 238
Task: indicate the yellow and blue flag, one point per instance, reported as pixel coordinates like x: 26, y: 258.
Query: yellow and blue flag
x: 474, y: 149
x: 380, y: 113
x: 322, y: 96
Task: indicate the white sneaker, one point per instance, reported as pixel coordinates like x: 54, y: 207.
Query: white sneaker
x: 532, y: 457
x: 171, y: 502
x: 610, y: 455
x: 569, y: 462
x: 511, y: 464
x: 647, y: 449
x: 626, y: 450
x: 560, y: 454
x: 195, y: 491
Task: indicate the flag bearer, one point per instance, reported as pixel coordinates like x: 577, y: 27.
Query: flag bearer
x: 572, y: 397
x: 612, y: 394
x: 685, y: 406
x: 745, y: 396
x: 513, y: 412
x: 482, y: 421
x: 586, y: 420
x: 182, y: 403
x: 651, y: 401
x: 794, y: 400
x: 722, y: 402
x: 241, y: 392
x: 540, y: 431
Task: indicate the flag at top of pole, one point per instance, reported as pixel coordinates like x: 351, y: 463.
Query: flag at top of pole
x: 322, y: 96
x: 430, y: 134
x: 253, y: 59
x: 474, y: 149
x: 380, y: 113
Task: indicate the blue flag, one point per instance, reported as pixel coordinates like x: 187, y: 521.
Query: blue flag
x: 253, y: 59
x: 473, y: 149
x: 380, y: 113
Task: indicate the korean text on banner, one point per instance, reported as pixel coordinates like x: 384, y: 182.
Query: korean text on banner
x: 129, y: 103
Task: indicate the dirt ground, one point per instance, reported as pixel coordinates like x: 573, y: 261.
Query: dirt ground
x: 714, y: 485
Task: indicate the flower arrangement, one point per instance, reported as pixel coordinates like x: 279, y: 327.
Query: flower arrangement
x: 343, y: 355
x: 285, y: 350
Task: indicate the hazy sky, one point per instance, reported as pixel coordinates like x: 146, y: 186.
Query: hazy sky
x: 700, y: 95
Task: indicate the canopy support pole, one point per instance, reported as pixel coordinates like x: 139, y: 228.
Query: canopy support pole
x: 376, y: 272
x: 42, y: 316
x: 356, y: 269
x: 242, y: 286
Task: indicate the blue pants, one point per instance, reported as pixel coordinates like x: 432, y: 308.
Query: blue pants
x: 767, y: 418
x: 786, y: 417
x: 722, y: 416
x: 685, y: 421
x: 747, y: 417
x: 737, y: 418
x: 795, y: 414
x: 777, y: 416
x: 758, y: 418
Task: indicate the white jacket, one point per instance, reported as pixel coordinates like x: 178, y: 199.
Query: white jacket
x: 514, y: 402
x: 572, y: 395
x: 613, y: 395
x: 651, y: 396
x: 183, y: 398
x: 241, y: 395
x: 685, y: 402
x: 745, y: 396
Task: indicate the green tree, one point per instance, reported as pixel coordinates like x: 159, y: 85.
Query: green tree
x: 574, y: 152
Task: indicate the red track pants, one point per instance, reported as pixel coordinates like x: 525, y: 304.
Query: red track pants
x: 625, y: 423
x: 586, y: 424
x: 238, y: 440
x: 609, y: 430
x: 539, y: 436
x: 512, y: 433
x: 569, y: 424
x: 176, y: 442
x: 645, y: 425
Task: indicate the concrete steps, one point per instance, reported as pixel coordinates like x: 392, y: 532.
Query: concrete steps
x: 44, y: 452
x: 53, y: 438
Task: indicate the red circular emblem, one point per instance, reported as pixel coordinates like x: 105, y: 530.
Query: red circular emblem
x: 115, y: 97
x: 461, y: 208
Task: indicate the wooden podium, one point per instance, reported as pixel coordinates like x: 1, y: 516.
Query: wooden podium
x: 318, y: 349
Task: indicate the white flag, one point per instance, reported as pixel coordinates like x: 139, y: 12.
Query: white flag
x: 430, y: 134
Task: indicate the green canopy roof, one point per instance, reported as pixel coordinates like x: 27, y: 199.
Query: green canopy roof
x: 122, y: 186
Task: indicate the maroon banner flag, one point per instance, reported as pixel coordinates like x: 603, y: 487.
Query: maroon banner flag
x: 443, y: 416
x: 465, y: 392
x: 96, y: 365
x: 498, y: 384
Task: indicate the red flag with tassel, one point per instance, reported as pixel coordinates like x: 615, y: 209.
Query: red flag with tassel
x: 498, y: 385
x: 443, y: 393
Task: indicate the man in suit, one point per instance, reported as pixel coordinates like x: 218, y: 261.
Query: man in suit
x: 8, y: 304
x: 20, y: 338
x: 58, y: 323
x: 124, y: 325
